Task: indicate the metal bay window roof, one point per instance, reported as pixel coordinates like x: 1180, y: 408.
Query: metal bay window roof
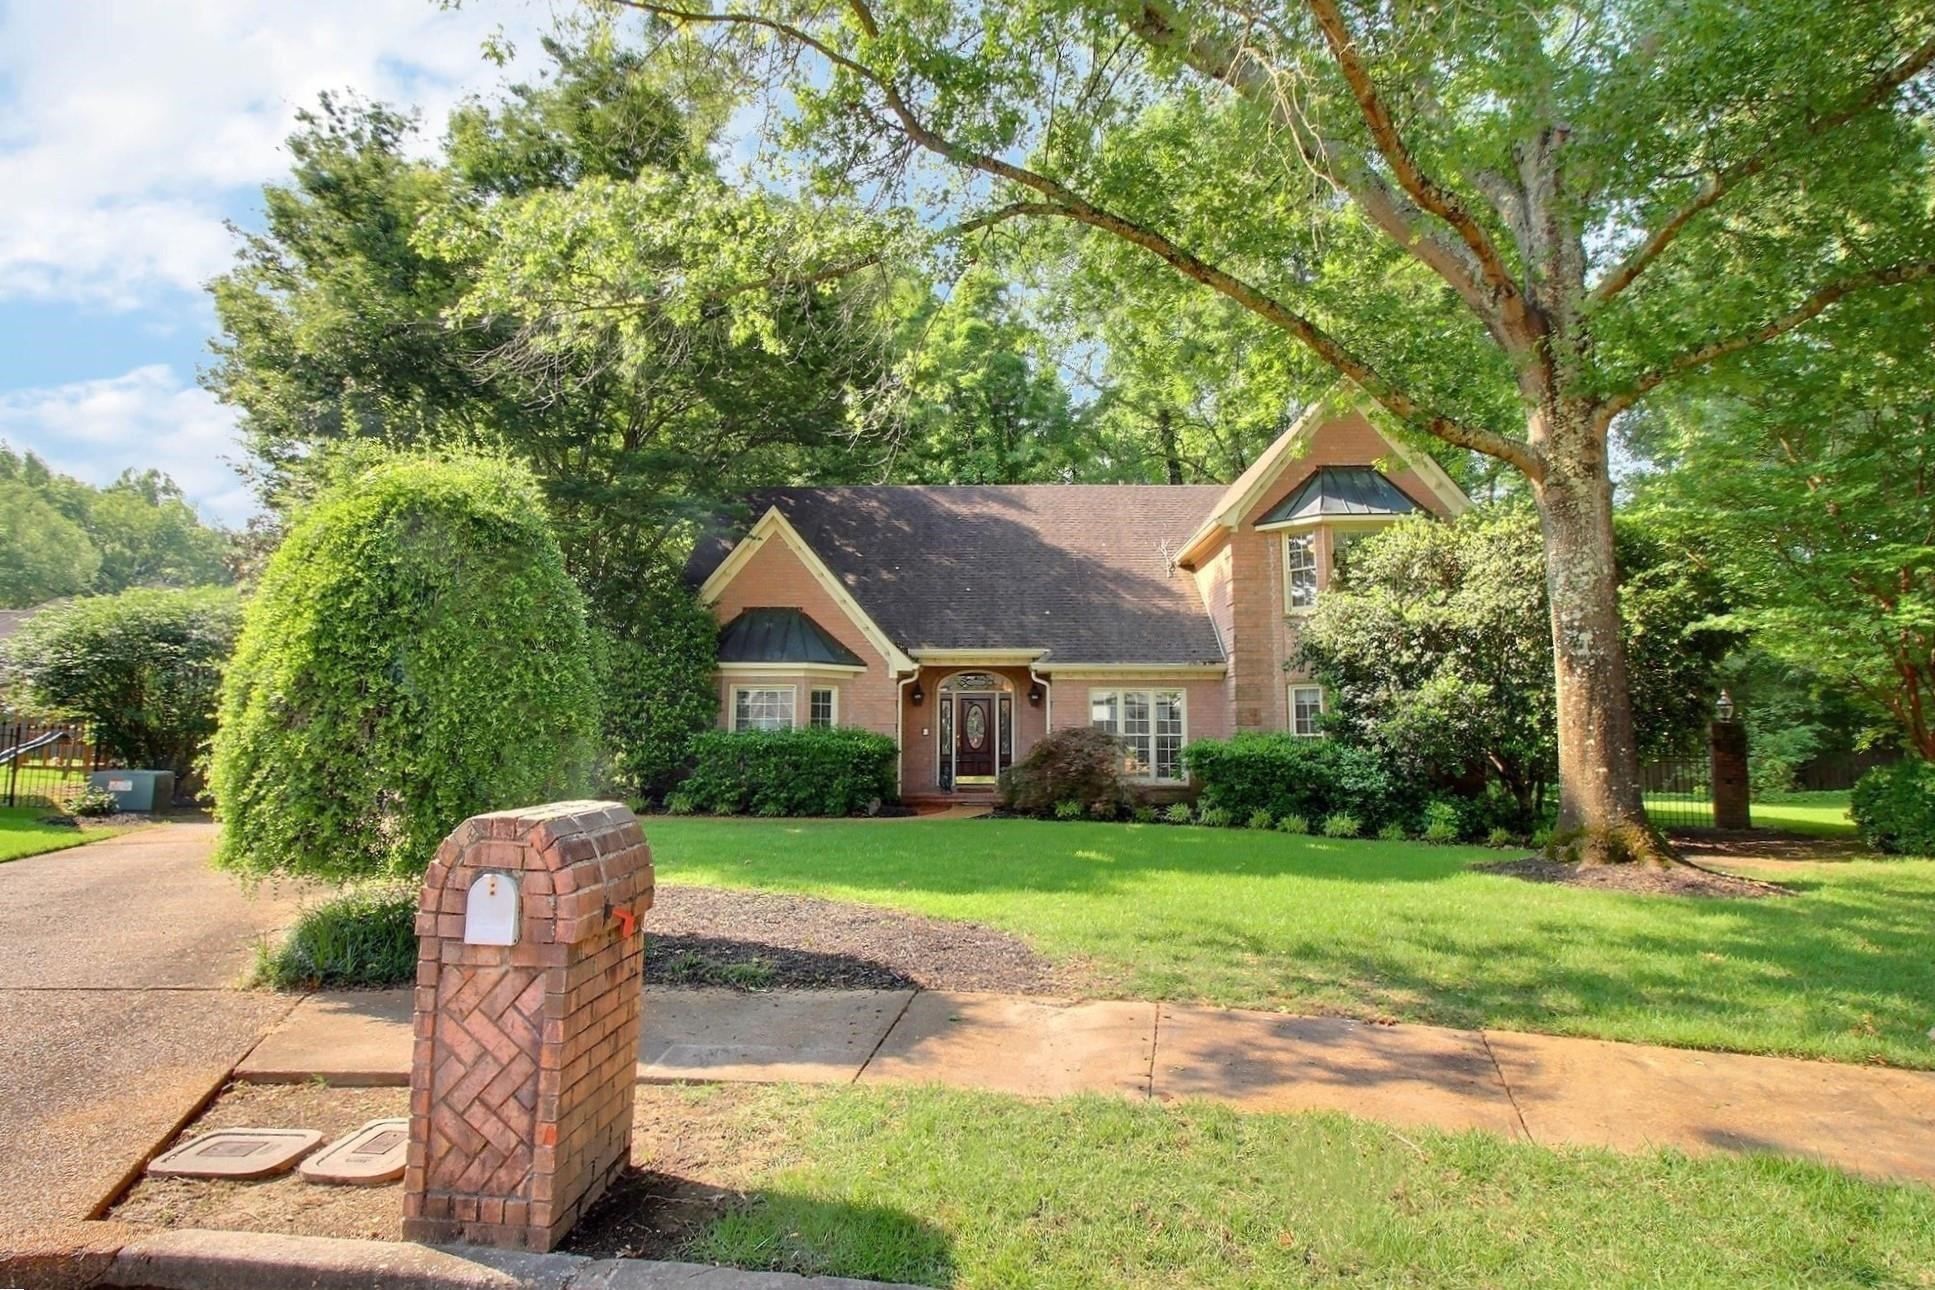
x: 1340, y: 491
x: 781, y: 636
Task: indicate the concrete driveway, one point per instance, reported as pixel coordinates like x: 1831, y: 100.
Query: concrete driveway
x: 117, y: 1016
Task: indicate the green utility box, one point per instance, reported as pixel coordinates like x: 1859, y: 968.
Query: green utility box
x: 136, y: 790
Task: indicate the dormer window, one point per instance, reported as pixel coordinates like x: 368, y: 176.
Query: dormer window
x: 1299, y: 571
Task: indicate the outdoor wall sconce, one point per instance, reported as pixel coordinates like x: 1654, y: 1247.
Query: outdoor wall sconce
x: 918, y: 695
x: 1723, y: 706
x: 1034, y: 695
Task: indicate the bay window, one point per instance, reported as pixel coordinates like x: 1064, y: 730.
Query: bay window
x: 762, y: 707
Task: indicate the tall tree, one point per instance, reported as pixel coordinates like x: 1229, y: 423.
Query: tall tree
x: 1506, y: 223
x: 1807, y: 476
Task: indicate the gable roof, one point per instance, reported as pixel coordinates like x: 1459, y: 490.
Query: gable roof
x: 1082, y: 573
x: 1340, y: 491
x: 781, y: 636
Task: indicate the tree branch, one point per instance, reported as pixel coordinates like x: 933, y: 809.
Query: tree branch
x: 1064, y: 202
x: 1721, y: 182
x: 1895, y: 276
x: 1424, y: 190
x: 831, y: 272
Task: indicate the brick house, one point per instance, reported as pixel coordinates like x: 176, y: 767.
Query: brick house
x: 966, y: 622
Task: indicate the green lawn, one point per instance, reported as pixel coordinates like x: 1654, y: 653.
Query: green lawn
x: 1819, y: 815
x: 996, y: 1193
x: 1390, y: 930
x: 23, y: 834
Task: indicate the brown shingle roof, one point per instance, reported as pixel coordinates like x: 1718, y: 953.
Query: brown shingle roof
x: 1081, y: 570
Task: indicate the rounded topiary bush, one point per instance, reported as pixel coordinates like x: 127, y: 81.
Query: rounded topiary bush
x: 415, y: 654
x: 1080, y: 765
x: 1894, y: 807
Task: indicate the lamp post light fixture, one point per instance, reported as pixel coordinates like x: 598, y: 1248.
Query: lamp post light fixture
x: 1723, y: 707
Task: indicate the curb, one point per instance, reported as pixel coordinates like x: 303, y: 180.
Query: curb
x: 197, y: 1259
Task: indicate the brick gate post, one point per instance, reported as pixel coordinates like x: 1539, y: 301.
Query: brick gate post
x: 527, y: 1016
x: 1727, y: 742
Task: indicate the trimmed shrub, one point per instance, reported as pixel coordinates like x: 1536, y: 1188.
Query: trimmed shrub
x: 143, y: 668
x: 1080, y: 765
x: 1894, y: 807
x: 1392, y: 832
x: 1146, y: 814
x: 1342, y: 824
x: 1441, y: 821
x: 812, y: 771
x: 1214, y: 817
x: 1260, y: 820
x: 1070, y: 810
x: 1288, y: 774
x: 1293, y: 824
x: 1178, y: 813
x: 415, y: 654
x: 364, y: 935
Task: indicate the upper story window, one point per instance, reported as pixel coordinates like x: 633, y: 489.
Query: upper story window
x: 761, y: 707
x: 1299, y: 571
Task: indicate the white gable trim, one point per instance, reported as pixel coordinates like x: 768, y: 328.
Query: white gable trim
x: 773, y: 524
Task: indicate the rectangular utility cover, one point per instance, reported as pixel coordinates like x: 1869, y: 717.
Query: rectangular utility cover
x: 490, y: 910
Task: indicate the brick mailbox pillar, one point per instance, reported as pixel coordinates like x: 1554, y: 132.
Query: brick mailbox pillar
x: 527, y: 1015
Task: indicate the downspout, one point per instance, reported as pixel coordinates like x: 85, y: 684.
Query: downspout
x: 900, y: 732
x: 1047, y: 700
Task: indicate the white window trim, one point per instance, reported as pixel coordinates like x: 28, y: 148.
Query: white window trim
x: 1316, y: 571
x: 732, y: 710
x: 833, y: 714
x: 1182, y: 706
x: 1323, y: 706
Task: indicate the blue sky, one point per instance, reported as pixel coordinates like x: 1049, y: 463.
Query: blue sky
x: 129, y: 132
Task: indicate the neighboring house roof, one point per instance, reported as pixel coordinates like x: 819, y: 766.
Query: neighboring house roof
x: 1083, y: 573
x: 781, y: 636
x: 1340, y: 491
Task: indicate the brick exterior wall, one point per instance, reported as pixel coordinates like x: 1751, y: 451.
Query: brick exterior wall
x: 1260, y: 637
x: 920, y: 726
x: 775, y: 577
x: 1205, y: 712
x: 522, y: 1077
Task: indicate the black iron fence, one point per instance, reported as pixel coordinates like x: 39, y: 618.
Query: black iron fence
x: 44, y: 765
x: 1679, y: 792
x: 1840, y: 770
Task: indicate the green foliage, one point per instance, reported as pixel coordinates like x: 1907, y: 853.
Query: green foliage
x: 1214, y: 817
x: 810, y: 771
x: 1392, y: 832
x: 1145, y: 813
x: 1499, y: 837
x: 143, y: 668
x: 92, y: 802
x: 43, y: 554
x: 1070, y: 810
x: 656, y: 655
x: 1435, y: 649
x: 1441, y: 821
x: 1286, y: 774
x: 1342, y: 824
x: 363, y: 936
x: 1260, y: 819
x: 1178, y: 813
x: 1079, y: 764
x: 415, y: 654
x: 60, y: 536
x: 1894, y: 807
x: 1293, y: 824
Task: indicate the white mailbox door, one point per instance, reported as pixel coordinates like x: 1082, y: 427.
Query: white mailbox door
x: 490, y: 910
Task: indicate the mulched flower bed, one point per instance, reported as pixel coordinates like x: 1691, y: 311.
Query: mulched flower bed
x: 1681, y: 880
x: 770, y: 941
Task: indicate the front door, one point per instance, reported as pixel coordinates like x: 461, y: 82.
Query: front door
x: 974, y: 738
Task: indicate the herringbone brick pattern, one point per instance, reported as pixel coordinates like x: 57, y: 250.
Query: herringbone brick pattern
x: 522, y: 1078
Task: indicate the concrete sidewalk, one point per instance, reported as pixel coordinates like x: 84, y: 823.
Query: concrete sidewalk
x: 1539, y: 1088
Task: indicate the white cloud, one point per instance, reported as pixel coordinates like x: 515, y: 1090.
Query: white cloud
x: 149, y: 417
x: 126, y: 128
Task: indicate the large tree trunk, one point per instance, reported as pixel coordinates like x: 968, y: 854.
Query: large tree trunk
x: 1602, y: 818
